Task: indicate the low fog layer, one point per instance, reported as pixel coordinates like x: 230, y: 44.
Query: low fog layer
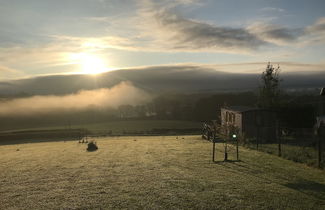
x: 122, y: 94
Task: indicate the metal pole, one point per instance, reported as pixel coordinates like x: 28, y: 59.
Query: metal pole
x: 321, y: 128
x: 237, y: 150
x: 320, y: 136
x: 226, y: 152
x: 278, y: 136
x: 213, y: 151
x: 258, y: 136
x: 279, y: 147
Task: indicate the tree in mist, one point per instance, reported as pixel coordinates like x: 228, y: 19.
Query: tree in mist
x: 269, y: 91
x: 140, y: 111
x: 126, y: 111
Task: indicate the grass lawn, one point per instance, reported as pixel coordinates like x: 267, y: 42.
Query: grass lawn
x: 152, y: 173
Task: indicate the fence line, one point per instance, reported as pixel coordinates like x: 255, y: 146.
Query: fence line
x: 298, y: 144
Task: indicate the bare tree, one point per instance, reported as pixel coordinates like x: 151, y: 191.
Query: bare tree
x: 269, y: 91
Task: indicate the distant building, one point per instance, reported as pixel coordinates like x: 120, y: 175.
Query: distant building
x: 249, y: 122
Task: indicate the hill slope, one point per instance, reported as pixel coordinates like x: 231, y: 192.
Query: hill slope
x: 153, y: 173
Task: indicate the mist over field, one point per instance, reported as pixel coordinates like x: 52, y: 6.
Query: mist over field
x: 121, y: 94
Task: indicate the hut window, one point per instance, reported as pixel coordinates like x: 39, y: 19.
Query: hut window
x: 227, y: 116
x: 230, y: 117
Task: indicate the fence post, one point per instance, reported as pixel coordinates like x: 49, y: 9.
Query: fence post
x: 320, y: 136
x: 278, y: 136
x: 237, y: 150
x: 213, y: 150
x: 226, y: 150
x: 279, y: 147
x: 319, y: 151
x: 257, y: 137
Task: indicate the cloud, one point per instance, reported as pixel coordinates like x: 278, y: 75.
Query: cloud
x: 168, y: 4
x: 96, y: 43
x: 121, y: 94
x: 317, y: 27
x: 275, y: 34
x: 258, y: 67
x: 316, y: 32
x: 55, y: 56
x: 282, y: 35
x: 148, y: 25
x: 42, y: 59
x: 194, y: 35
x: 168, y: 30
x: 4, y: 69
x: 272, y: 9
x: 9, y: 73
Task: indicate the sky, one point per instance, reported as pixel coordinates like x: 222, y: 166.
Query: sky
x: 46, y: 37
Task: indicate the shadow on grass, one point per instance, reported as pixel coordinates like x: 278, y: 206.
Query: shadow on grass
x: 226, y: 161
x: 307, y: 185
x: 36, y: 136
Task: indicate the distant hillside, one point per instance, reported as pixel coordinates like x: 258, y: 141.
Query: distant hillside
x: 159, y: 79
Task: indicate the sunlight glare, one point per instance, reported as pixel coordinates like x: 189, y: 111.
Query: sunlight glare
x: 90, y: 63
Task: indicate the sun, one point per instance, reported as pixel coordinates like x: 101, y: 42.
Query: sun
x: 90, y: 63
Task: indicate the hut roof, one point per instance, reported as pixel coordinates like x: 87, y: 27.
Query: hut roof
x: 241, y: 109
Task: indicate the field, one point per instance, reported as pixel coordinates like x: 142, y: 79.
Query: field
x: 43, y: 133
x: 152, y: 173
x: 117, y: 127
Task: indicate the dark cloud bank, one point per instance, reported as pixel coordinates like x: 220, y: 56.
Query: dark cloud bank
x: 158, y: 79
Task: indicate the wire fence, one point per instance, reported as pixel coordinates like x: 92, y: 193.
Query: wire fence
x: 304, y: 145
